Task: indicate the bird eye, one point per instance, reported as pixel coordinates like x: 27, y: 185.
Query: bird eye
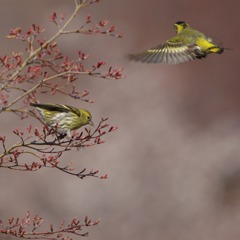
x: 88, y: 117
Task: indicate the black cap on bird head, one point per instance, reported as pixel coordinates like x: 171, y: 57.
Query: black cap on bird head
x: 179, y: 26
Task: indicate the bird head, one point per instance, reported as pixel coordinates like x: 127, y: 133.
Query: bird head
x: 86, y: 117
x: 179, y: 26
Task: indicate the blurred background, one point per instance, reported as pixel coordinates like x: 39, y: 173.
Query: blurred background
x: 174, y: 163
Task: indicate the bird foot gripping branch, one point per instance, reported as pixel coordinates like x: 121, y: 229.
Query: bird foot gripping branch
x: 65, y: 117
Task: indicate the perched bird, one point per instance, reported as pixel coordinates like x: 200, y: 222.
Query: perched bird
x: 64, y: 117
x: 187, y: 45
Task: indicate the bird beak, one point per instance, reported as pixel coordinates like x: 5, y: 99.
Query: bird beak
x: 91, y: 123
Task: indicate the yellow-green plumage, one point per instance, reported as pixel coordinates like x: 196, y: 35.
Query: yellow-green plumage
x: 187, y: 45
x: 64, y: 117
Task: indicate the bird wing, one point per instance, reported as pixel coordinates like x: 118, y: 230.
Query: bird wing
x: 73, y: 110
x: 175, y: 50
x: 56, y: 107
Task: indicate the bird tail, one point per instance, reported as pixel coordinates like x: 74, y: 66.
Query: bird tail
x: 216, y: 49
x: 33, y: 104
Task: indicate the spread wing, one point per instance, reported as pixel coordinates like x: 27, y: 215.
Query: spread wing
x: 173, y: 51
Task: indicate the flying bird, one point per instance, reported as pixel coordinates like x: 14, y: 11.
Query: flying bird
x: 188, y: 44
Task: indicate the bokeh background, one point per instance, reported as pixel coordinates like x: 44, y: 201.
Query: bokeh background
x: 174, y: 163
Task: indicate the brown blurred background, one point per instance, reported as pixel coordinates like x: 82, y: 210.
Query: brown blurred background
x: 174, y: 163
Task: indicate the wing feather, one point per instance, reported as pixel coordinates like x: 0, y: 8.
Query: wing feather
x: 56, y: 108
x: 173, y: 51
